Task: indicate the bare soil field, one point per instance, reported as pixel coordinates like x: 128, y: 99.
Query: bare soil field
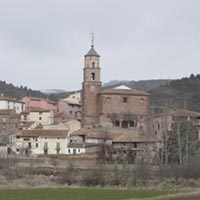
x: 191, y: 196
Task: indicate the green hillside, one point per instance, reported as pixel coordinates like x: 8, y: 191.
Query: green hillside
x: 181, y: 93
x: 8, y: 89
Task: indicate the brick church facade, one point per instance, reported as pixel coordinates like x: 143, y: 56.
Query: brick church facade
x: 121, y: 106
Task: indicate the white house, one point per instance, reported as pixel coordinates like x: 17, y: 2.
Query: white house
x: 11, y: 104
x: 37, y: 115
x: 37, y: 142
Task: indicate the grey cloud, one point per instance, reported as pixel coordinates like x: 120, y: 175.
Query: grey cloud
x: 43, y: 41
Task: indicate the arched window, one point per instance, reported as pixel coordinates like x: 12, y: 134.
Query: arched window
x: 124, y: 124
x: 116, y: 123
x: 132, y: 124
x: 93, y: 64
x: 92, y: 77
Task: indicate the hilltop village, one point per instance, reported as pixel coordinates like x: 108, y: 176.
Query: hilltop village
x: 113, y: 125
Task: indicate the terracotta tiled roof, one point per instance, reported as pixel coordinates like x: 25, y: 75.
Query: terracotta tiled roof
x: 181, y: 113
x: 125, y: 92
x: 136, y: 135
x: 41, y: 99
x: 43, y: 133
x: 81, y: 145
x: 36, y: 109
x: 81, y: 131
x: 2, y: 98
x: 6, y: 111
x: 86, y: 132
x: 10, y: 113
x: 95, y: 134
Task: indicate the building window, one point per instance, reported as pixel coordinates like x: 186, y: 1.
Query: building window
x: 46, y: 148
x: 132, y: 124
x: 25, y: 117
x: 125, y: 99
x: 4, y: 126
x: 58, y: 147
x: 158, y: 126
x: 40, y: 118
x: 69, y: 151
x: 117, y: 123
x: 70, y: 112
x: 124, y: 124
x: 36, y: 145
x: 92, y: 77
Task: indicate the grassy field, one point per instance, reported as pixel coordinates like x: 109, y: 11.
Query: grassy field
x: 79, y: 194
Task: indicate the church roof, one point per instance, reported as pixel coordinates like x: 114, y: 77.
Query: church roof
x: 92, y: 52
x: 124, y: 90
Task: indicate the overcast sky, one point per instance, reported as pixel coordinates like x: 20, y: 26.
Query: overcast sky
x: 43, y: 42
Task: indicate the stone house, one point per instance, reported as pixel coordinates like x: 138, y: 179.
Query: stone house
x: 9, y: 121
x: 70, y: 109
x: 165, y: 121
x: 117, y: 142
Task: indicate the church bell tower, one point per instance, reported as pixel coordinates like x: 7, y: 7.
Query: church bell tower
x: 91, y: 87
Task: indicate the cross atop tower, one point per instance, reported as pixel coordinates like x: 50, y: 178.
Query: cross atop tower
x: 92, y: 39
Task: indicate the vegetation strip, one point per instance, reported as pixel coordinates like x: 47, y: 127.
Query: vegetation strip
x: 80, y: 194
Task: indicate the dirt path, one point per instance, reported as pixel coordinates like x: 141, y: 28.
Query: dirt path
x: 194, y: 196
x: 191, y: 197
